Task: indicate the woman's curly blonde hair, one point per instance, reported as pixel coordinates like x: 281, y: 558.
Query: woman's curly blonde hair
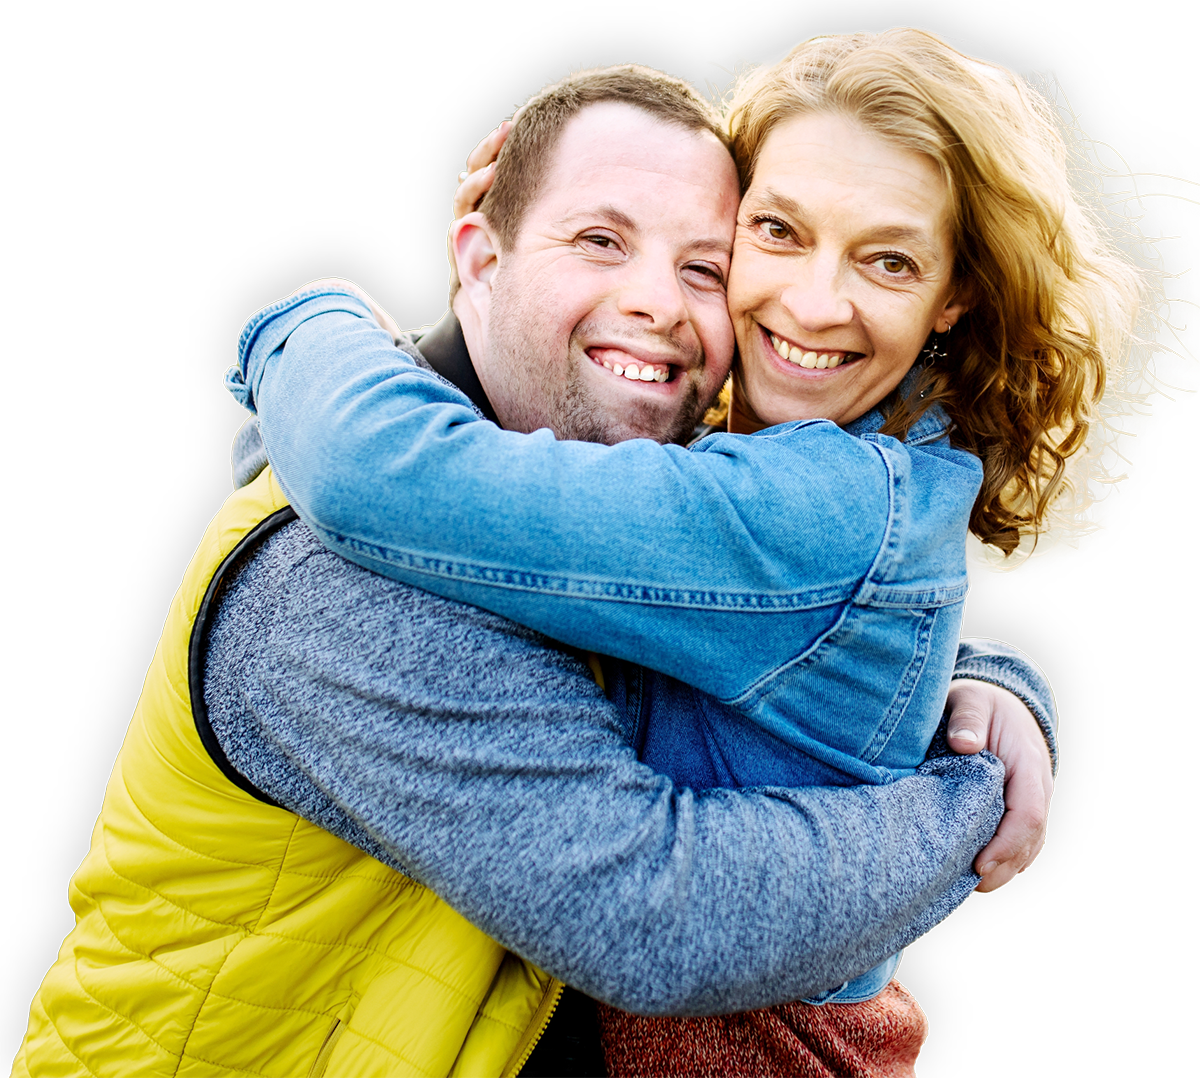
x: 1053, y: 302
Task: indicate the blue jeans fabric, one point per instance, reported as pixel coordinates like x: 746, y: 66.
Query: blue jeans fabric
x: 832, y: 626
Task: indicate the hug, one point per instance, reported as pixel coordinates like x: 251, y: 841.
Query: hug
x: 503, y: 726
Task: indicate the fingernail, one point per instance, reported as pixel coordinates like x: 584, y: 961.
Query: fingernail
x: 965, y: 734
x: 988, y: 867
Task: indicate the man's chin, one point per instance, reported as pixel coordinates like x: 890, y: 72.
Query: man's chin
x: 599, y: 406
x: 609, y: 418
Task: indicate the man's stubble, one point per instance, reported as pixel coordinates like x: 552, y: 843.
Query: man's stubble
x: 534, y: 385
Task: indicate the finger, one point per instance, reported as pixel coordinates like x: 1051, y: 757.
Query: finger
x: 969, y: 722
x: 967, y: 732
x: 1012, y: 849
x: 472, y: 189
x: 1021, y: 834
x: 1003, y: 873
x: 996, y: 873
x: 489, y: 147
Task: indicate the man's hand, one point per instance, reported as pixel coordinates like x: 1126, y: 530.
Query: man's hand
x: 984, y: 716
x: 385, y: 320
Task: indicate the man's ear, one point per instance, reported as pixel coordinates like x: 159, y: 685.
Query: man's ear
x: 473, y: 247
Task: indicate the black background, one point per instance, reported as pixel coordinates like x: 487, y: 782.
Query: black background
x: 173, y: 187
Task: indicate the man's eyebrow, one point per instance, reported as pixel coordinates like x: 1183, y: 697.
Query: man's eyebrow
x: 769, y: 198
x: 706, y: 245
x: 620, y: 219
x: 611, y: 214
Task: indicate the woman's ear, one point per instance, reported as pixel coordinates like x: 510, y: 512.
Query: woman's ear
x: 958, y: 303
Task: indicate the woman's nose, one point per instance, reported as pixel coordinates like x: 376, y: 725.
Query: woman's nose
x: 818, y: 296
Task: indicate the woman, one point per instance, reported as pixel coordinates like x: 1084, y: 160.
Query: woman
x: 893, y: 190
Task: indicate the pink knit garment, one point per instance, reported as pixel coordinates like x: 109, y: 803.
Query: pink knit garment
x: 877, y: 1039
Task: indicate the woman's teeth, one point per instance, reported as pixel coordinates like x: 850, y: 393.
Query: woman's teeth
x: 820, y: 360
x: 635, y: 373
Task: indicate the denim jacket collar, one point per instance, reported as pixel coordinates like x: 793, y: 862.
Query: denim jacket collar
x: 932, y: 426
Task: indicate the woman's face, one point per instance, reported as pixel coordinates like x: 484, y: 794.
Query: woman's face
x: 843, y: 264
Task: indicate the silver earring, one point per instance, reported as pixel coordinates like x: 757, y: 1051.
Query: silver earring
x: 935, y: 348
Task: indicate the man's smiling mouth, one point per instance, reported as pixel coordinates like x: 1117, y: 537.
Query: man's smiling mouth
x: 625, y: 366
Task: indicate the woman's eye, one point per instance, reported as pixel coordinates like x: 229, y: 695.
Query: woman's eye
x: 600, y: 241
x: 894, y: 265
x: 773, y: 229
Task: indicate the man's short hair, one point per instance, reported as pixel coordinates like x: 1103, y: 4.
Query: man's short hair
x: 528, y: 151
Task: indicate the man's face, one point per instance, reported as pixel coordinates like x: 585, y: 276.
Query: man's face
x: 607, y: 320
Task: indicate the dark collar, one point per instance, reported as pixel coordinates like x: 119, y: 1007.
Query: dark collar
x: 445, y: 350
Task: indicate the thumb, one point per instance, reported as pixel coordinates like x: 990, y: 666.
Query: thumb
x: 969, y: 723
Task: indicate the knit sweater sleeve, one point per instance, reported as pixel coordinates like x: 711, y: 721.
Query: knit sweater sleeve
x: 482, y: 760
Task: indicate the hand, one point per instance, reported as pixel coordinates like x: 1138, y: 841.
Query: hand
x: 385, y: 320
x: 481, y: 171
x: 984, y: 716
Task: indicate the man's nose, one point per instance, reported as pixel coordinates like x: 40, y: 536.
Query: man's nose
x: 818, y: 296
x: 651, y: 291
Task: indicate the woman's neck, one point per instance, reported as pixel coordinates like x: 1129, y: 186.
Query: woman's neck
x: 741, y: 418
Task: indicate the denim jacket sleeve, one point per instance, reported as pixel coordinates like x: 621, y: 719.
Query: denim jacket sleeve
x: 608, y: 548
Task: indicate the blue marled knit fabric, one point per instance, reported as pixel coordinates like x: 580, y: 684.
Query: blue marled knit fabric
x: 482, y: 760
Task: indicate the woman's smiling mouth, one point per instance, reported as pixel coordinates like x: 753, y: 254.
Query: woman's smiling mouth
x: 808, y: 358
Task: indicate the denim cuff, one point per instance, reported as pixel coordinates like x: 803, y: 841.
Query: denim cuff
x: 269, y: 328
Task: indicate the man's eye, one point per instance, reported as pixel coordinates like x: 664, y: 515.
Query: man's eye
x: 600, y: 241
x: 711, y: 272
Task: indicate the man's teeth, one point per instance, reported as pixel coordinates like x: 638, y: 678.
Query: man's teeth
x: 634, y: 373
x: 820, y: 360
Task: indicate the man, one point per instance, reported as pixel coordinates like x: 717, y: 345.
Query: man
x: 328, y: 769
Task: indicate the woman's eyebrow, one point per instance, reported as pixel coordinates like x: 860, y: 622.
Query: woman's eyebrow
x: 918, y: 237
x: 769, y: 198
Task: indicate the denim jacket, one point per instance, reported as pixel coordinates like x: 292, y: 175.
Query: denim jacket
x: 807, y: 578
x: 711, y: 742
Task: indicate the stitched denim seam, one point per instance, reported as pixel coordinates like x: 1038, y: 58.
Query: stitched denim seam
x: 611, y: 590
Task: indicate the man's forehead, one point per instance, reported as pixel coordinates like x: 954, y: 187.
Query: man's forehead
x: 618, y: 161
x: 617, y: 134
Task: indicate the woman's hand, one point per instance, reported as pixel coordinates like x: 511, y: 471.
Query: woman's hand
x: 985, y: 716
x: 481, y: 171
x: 385, y: 320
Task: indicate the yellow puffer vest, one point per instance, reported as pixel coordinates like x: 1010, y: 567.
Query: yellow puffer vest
x: 218, y: 934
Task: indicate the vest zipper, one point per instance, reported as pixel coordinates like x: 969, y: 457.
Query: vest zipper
x: 541, y: 1019
x: 321, y: 1063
